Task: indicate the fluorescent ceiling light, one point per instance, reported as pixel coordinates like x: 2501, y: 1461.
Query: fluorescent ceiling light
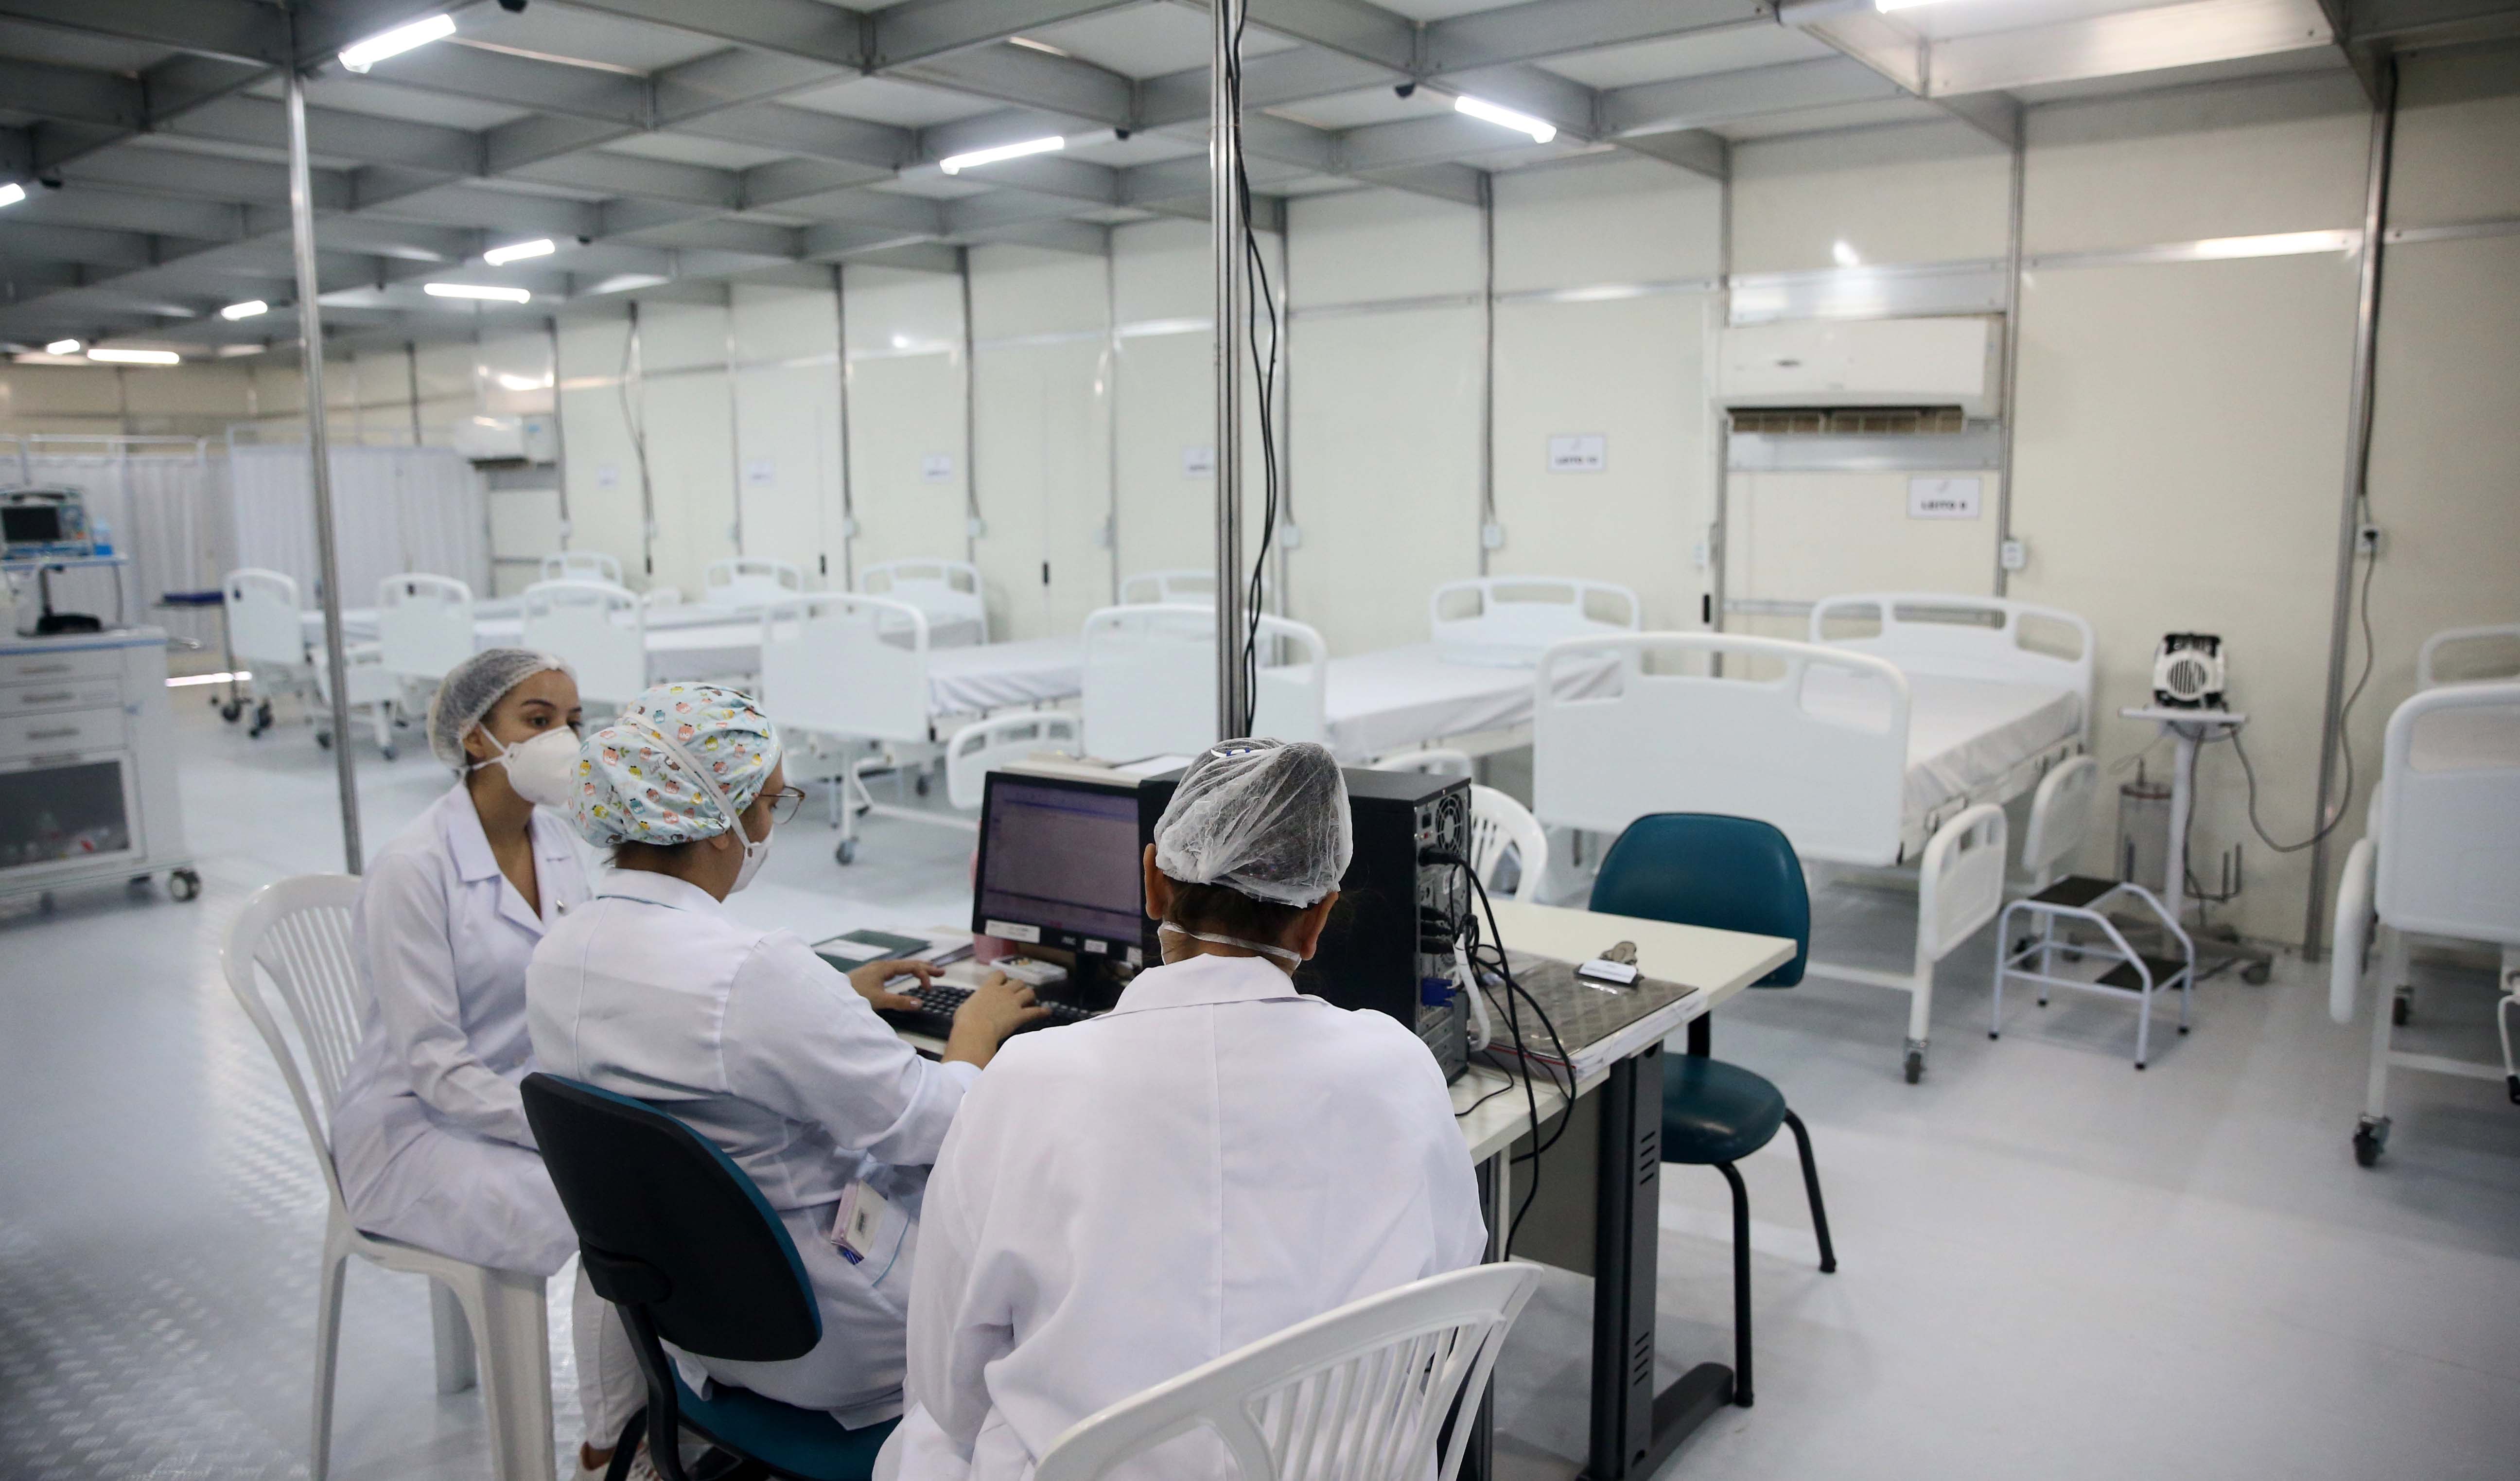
x: 136, y: 356
x: 476, y: 290
x: 955, y: 165
x: 363, y: 55
x: 1031, y: 45
x: 1898, y: 5
x: 12, y: 193
x: 246, y: 310
x: 524, y: 382
x: 63, y: 347
x: 1845, y: 254
x: 517, y: 252
x: 1521, y: 124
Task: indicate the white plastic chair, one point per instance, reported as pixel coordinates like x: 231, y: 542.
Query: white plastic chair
x: 949, y: 592
x: 267, y: 632
x: 1434, y: 760
x: 424, y: 625
x: 747, y: 581
x: 298, y: 932
x: 1151, y: 681
x: 1360, y: 1394
x: 600, y: 628
x: 983, y: 746
x: 581, y: 566
x: 1498, y: 823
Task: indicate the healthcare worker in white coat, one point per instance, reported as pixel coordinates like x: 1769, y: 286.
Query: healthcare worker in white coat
x: 653, y: 990
x: 430, y: 1139
x: 1217, y: 1158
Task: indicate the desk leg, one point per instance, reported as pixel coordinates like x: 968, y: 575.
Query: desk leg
x: 1496, y: 1183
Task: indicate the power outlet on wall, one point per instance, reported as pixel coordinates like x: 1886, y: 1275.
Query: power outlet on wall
x: 2370, y: 540
x: 1492, y: 536
x: 2014, y: 554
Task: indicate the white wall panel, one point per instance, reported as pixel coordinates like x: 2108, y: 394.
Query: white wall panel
x: 2459, y: 136
x: 1164, y: 270
x: 1626, y: 221
x: 1167, y: 391
x: 601, y: 463
x: 688, y: 421
x: 1801, y: 536
x: 1918, y: 193
x: 1045, y: 477
x: 1361, y: 246
x: 786, y: 410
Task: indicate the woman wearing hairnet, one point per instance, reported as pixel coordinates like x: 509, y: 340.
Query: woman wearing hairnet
x: 654, y: 990
x: 430, y: 1136
x: 1215, y: 1159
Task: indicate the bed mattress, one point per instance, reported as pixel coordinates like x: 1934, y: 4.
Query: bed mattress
x: 1965, y: 737
x: 1396, y: 699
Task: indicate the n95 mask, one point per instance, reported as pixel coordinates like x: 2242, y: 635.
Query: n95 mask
x: 541, y: 769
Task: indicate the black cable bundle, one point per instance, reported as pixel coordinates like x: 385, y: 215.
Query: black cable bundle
x: 1264, y: 367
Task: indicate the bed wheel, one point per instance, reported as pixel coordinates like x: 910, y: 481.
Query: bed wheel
x: 387, y: 753
x: 847, y: 852
x: 229, y: 710
x: 1917, y: 1064
x: 919, y: 784
x: 2256, y: 973
x: 184, y: 884
x: 2400, y: 1008
x: 2513, y: 1083
x: 2368, y: 1138
x: 324, y: 740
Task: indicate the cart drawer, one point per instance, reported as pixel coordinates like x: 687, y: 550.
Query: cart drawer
x: 25, y: 667
x: 70, y: 693
x: 60, y: 733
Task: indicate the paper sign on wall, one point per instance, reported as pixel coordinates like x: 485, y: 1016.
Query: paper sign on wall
x: 1580, y: 453
x: 608, y: 475
x: 1198, y: 463
x: 1943, y: 497
x: 937, y: 468
x: 760, y: 472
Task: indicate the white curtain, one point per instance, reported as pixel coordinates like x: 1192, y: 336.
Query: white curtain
x: 165, y: 510
x: 394, y: 510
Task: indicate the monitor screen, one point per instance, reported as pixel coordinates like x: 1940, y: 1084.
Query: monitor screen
x: 31, y: 523
x: 1059, y: 862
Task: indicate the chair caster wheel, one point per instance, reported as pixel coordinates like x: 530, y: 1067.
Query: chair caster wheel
x: 2256, y: 973
x: 2400, y: 1010
x: 184, y: 884
x: 1916, y: 1065
x: 2367, y: 1141
x: 229, y: 710
x: 1992, y: 1034
x: 324, y: 740
x: 2512, y: 1081
x: 2138, y: 1064
x: 2043, y: 1003
x: 387, y: 753
x: 2182, y: 1030
x: 847, y: 852
x: 919, y: 784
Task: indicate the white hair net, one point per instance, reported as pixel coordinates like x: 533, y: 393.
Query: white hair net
x: 1267, y: 818
x: 472, y: 687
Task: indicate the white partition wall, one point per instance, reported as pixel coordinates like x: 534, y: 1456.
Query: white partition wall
x: 905, y: 414
x: 1044, y: 443
x: 786, y: 456
x: 396, y: 509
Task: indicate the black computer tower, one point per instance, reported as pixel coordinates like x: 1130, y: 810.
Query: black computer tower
x: 1372, y: 956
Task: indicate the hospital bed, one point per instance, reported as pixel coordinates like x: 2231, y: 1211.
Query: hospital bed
x: 2440, y: 857
x: 1893, y: 749
x: 949, y: 592
x: 268, y: 638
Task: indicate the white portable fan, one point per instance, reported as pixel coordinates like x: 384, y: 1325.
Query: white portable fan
x: 2188, y: 671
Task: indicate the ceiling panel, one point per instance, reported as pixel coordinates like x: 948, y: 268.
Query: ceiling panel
x: 904, y: 105
x: 681, y: 149
x: 37, y: 43
x: 1687, y: 56
x: 1137, y: 149
x: 351, y: 93
x: 1147, y: 42
x: 2323, y: 58
x: 564, y: 31
x: 1972, y: 18
x: 934, y: 184
x: 1356, y: 110
x: 1441, y: 10
x: 1817, y: 120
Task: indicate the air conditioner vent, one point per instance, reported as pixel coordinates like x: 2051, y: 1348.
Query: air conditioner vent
x: 1872, y: 420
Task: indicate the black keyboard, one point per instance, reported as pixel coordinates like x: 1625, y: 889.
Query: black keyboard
x: 938, y: 1002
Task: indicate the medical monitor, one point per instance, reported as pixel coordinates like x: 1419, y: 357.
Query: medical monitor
x: 1058, y: 865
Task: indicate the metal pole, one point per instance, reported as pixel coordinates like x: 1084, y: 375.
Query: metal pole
x: 560, y: 430
x: 310, y: 334
x: 411, y: 378
x: 734, y: 429
x: 970, y: 415
x: 634, y: 390
x: 849, y: 488
x: 2358, y: 478
x: 1718, y: 529
x: 1225, y: 224
x: 1487, y: 366
x: 1283, y: 413
x: 1111, y: 411
x: 2012, y: 359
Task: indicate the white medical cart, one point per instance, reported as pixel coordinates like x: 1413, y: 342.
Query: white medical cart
x: 87, y: 764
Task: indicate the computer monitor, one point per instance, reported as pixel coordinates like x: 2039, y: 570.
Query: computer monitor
x: 32, y: 524
x: 1058, y: 866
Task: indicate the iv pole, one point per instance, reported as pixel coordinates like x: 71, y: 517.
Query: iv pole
x: 1226, y: 221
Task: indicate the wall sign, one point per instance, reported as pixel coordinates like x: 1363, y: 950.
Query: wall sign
x: 1579, y: 453
x: 760, y: 472
x: 1198, y: 463
x: 608, y: 475
x: 937, y: 468
x: 1943, y: 497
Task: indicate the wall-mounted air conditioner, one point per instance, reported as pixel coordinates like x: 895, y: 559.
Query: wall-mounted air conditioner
x: 1955, y: 361
x: 507, y: 439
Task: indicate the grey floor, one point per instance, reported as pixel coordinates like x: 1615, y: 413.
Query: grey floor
x: 2050, y: 1264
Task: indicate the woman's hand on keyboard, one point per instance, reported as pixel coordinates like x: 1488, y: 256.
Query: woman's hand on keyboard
x: 996, y: 1008
x: 870, y: 982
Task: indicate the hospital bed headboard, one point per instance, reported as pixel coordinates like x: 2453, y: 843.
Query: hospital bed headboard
x: 947, y: 591
x: 581, y: 566
x: 1956, y: 637
x: 599, y: 628
x: 2469, y: 655
x: 1506, y: 621
x: 1151, y: 681
x: 748, y: 579
x: 424, y: 624
x: 1690, y: 742
x: 1177, y: 588
x: 265, y: 626
x: 2449, y: 814
x: 844, y: 664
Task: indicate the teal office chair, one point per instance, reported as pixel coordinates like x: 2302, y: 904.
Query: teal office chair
x: 677, y: 1237
x: 1727, y: 873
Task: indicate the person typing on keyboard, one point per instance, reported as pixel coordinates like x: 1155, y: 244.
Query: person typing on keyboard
x: 1218, y: 1157
x: 652, y: 990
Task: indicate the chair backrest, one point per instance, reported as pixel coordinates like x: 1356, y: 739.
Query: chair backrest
x: 983, y: 746
x: 2449, y: 814
x: 749, y: 581
x: 2487, y: 655
x: 949, y: 592
x: 667, y: 1221
x: 1361, y: 1394
x: 265, y: 624
x: 600, y: 628
x: 1704, y: 869
x: 424, y: 624
x: 298, y: 932
x: 1434, y: 760
x: 1509, y: 620
x: 843, y: 663
x: 581, y: 566
x: 1498, y: 823
x: 1151, y: 681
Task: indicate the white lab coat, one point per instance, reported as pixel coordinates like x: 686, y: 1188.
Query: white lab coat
x: 1121, y: 1200
x: 430, y: 1138
x: 655, y: 991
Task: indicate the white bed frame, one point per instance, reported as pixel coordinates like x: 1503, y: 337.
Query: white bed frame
x: 844, y: 672
x: 1692, y: 741
x: 748, y: 581
x: 424, y: 625
x: 947, y: 591
x: 267, y: 634
x: 2500, y: 638
x: 600, y: 629
x: 1518, y: 617
x: 1151, y: 681
x: 2439, y: 858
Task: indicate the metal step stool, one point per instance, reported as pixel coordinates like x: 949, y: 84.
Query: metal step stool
x: 2079, y: 897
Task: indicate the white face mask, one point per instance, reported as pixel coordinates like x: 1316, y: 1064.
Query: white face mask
x: 1291, y: 960
x: 755, y: 852
x: 542, y: 768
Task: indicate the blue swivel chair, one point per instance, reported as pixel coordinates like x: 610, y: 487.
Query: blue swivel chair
x: 1727, y: 873
x: 677, y: 1237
